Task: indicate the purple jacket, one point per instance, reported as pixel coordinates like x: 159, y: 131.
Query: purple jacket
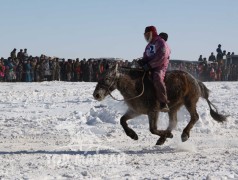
x: 157, y: 54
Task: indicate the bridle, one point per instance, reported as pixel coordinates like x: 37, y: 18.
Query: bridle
x: 114, y: 79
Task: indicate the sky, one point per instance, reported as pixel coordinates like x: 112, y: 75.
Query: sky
x: 109, y: 28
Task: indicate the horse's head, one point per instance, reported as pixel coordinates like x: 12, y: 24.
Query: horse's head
x: 106, y: 83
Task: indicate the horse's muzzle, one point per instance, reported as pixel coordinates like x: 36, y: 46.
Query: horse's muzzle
x: 96, y: 96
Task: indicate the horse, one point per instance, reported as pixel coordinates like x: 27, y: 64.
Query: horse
x: 138, y: 92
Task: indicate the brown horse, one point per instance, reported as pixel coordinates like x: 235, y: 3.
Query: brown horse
x: 139, y: 94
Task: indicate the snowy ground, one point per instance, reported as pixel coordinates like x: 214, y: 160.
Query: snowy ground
x: 56, y: 130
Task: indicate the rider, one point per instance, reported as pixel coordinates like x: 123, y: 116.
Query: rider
x: 156, y: 60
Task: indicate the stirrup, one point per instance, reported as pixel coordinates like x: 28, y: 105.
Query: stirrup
x: 164, y: 107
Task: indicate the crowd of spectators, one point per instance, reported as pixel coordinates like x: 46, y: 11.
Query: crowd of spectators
x: 20, y: 67
x: 217, y: 68
x: 207, y: 71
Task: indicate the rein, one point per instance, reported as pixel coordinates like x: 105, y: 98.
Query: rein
x: 143, y: 88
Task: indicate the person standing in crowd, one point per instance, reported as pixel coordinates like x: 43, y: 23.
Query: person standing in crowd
x: 86, y: 70
x: 50, y: 64
x: 212, y: 58
x: 224, y: 53
x: 2, y: 70
x: 83, y: 70
x: 69, y: 69
x: 47, y: 71
x: 219, y: 54
x: 77, y: 70
x: 13, y: 54
x: 234, y: 73
x: 19, y: 72
x: 200, y: 59
x: 27, y: 71
x: 33, y: 63
x: 90, y: 70
x: 63, y: 70
x: 20, y: 56
x: 11, y: 71
x: 53, y: 69
x: 219, y: 74
x: 72, y: 70
x: 57, y: 73
x: 156, y: 59
x: 95, y: 70
x: 105, y: 64
x: 42, y: 68
x: 212, y: 74
x: 25, y: 54
x: 100, y: 69
x: 38, y: 71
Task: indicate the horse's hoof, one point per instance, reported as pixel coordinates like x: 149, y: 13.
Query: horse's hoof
x: 170, y: 135
x: 184, y: 137
x: 132, y: 135
x: 135, y: 137
x: 161, y: 141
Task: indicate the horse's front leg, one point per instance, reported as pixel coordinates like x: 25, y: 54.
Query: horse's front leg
x: 129, y: 132
x: 172, y: 124
x: 153, y: 118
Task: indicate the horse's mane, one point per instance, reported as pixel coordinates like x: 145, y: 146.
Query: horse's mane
x: 133, y: 73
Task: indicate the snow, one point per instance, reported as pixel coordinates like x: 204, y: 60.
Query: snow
x: 56, y: 130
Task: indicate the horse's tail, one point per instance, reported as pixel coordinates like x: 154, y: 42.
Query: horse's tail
x: 214, y: 113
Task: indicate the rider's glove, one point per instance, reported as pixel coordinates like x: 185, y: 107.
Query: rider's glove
x: 146, y: 67
x: 141, y: 62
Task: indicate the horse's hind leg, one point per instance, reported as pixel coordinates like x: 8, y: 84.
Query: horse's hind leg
x: 129, y: 132
x: 191, y: 107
